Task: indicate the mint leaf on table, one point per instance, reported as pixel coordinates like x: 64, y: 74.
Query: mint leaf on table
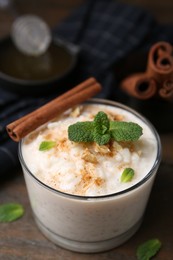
x: 127, y: 175
x: 102, y: 130
x: 148, y: 249
x: 10, y: 212
x: 125, y: 131
x: 81, y: 132
x: 46, y: 145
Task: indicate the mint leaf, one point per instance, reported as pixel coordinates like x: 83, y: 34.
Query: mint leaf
x: 127, y: 175
x: 10, y: 212
x: 81, y: 132
x: 125, y: 131
x: 102, y: 139
x: 46, y: 145
x: 148, y: 249
x: 101, y: 128
x: 101, y: 123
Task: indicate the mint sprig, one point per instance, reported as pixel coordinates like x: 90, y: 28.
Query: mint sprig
x: 101, y: 134
x: 81, y: 132
x: 46, y: 145
x: 10, y: 212
x: 125, y: 131
x: 102, y: 130
x: 127, y: 175
x: 148, y: 249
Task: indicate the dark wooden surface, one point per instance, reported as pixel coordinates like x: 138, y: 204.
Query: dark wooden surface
x: 22, y: 239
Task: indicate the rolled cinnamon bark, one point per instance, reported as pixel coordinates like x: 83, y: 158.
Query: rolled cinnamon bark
x: 166, y: 91
x: 25, y: 125
x: 140, y: 86
x: 160, y: 62
x: 158, y: 78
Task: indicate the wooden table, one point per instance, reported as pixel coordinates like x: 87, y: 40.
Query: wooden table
x: 23, y: 240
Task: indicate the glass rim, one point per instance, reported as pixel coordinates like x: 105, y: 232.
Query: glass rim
x: 111, y: 195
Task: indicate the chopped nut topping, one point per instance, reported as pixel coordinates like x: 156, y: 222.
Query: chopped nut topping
x: 85, y: 182
x: 76, y: 111
x: 101, y: 149
x: 116, y: 146
x: 89, y: 157
x: 62, y: 144
x: 128, y: 145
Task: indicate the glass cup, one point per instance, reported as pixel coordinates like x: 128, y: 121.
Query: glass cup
x: 91, y: 224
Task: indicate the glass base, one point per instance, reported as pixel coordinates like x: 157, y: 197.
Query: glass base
x: 88, y: 247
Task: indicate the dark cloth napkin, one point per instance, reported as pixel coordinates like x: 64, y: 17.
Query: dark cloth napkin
x: 106, y: 32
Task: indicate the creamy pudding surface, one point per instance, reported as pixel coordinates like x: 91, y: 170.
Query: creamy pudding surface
x: 88, y: 169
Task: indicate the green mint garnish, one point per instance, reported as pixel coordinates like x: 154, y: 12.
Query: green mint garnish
x: 46, y: 145
x: 127, y: 175
x: 81, y: 132
x: 148, y: 249
x: 10, y: 212
x: 102, y: 130
x: 125, y: 131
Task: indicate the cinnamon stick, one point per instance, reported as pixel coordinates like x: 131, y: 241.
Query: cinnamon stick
x: 160, y: 62
x: 158, y: 77
x: 140, y: 86
x: 23, y: 126
x: 166, y: 91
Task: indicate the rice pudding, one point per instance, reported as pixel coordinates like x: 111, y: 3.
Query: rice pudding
x: 75, y: 189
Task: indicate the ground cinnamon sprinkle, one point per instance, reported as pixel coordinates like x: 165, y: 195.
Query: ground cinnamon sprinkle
x: 48, y: 136
x: 99, y: 181
x: 86, y: 177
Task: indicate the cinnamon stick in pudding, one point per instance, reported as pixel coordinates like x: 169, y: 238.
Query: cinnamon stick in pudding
x: 140, y: 86
x: 23, y: 126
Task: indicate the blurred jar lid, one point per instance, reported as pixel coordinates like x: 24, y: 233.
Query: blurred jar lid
x: 31, y: 35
